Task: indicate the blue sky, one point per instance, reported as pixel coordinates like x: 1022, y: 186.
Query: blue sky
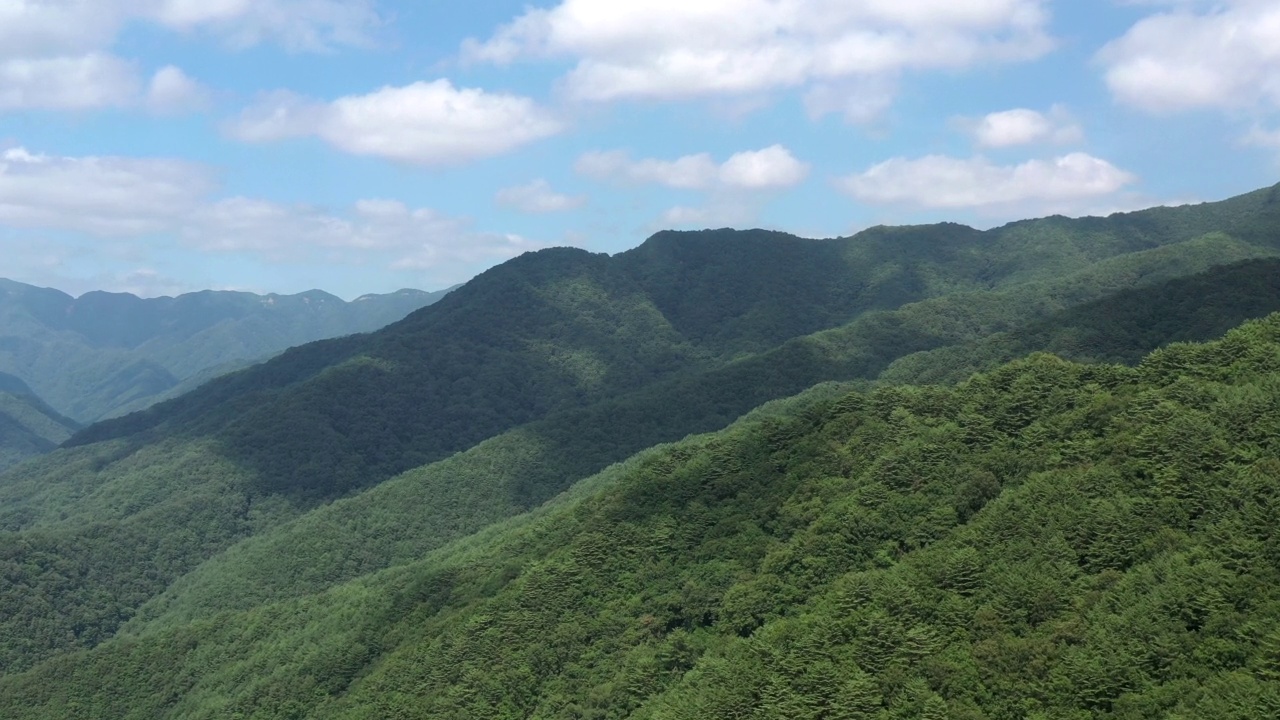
x: 163, y: 146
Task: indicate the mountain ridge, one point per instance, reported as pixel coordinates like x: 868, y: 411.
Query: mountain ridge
x: 28, y: 425
x: 527, y: 379
x: 104, y: 353
x: 897, y: 553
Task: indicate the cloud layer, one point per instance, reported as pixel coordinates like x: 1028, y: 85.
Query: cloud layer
x: 538, y: 197
x: 937, y: 181
x: 426, y: 123
x: 1199, y: 55
x: 770, y: 168
x: 57, y: 54
x: 120, y: 200
x: 1021, y: 126
x: 677, y: 49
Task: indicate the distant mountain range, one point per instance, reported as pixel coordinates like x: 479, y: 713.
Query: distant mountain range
x: 104, y: 354
x: 493, y: 507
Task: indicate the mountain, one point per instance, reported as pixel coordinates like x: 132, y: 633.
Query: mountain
x: 391, y: 525
x: 108, y: 353
x: 28, y: 426
x: 345, y: 461
x: 1119, y: 328
x: 1045, y: 540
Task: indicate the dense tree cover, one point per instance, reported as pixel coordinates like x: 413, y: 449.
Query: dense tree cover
x: 411, y: 514
x: 1122, y: 327
x: 417, y: 512
x: 562, y: 327
x: 28, y: 426
x: 535, y: 375
x: 104, y: 354
x: 1047, y: 540
x: 183, y: 478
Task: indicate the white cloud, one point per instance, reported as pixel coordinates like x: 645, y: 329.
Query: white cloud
x: 769, y: 168
x: 144, y: 282
x: 173, y: 92
x: 1021, y: 126
x: 66, y: 83
x: 43, y: 28
x: 772, y: 167
x: 1259, y: 136
x: 36, y: 28
x: 861, y: 102
x: 538, y: 197
x: 1225, y: 55
x: 735, y: 187
x: 105, y: 196
x: 723, y: 212
x: 424, y: 123
x: 307, y: 25
x: 691, y: 172
x: 276, y: 116
x: 938, y: 181
x: 56, y: 54
x: 404, y: 237
x: 678, y: 49
x: 123, y: 200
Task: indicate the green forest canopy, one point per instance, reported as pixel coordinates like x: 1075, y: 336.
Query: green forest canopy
x: 300, y: 539
x: 1045, y: 540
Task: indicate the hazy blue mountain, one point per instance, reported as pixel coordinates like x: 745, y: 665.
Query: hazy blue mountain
x: 105, y: 353
x: 28, y: 426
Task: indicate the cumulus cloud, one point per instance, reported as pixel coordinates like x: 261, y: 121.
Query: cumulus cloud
x: 538, y: 197
x: 937, y: 181
x: 105, y: 196
x: 691, y: 172
x: 276, y: 116
x: 676, y: 49
x: 770, y: 168
x: 724, y: 212
x: 1198, y: 55
x: 30, y: 28
x: 301, y: 25
x: 408, y: 238
x: 66, y: 83
x: 124, y: 199
x: 1022, y: 126
x: 41, y: 28
x: 56, y: 54
x: 173, y: 92
x: 424, y: 123
x: 861, y: 101
x: 735, y: 188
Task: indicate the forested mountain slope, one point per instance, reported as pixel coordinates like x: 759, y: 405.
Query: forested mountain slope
x: 414, y: 513
x: 1045, y: 540
x: 573, y: 327
x: 534, y: 375
x: 28, y: 426
x: 105, y: 353
x: 1121, y: 328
